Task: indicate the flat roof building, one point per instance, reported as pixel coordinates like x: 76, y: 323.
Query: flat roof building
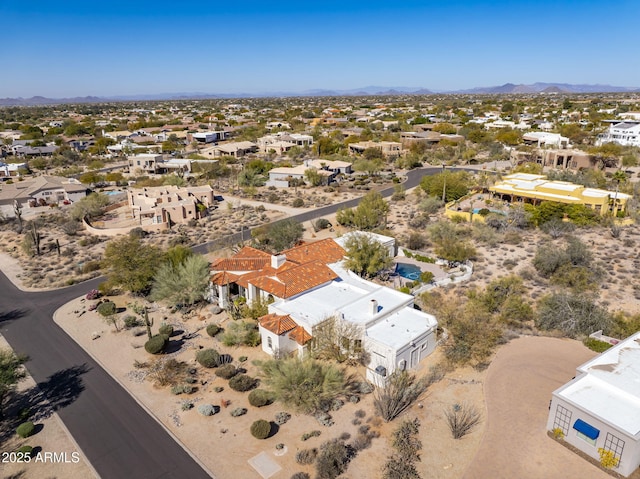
x: 598, y: 411
x: 536, y: 188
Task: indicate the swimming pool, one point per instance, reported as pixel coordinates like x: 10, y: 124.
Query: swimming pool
x: 409, y: 271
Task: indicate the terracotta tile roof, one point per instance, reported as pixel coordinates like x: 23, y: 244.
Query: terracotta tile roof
x: 326, y: 250
x: 224, y: 277
x: 294, y: 280
x: 277, y: 324
x: 239, y: 264
x: 300, y: 335
x: 247, y: 259
x: 249, y: 252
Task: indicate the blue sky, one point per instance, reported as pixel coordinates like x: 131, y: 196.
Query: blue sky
x: 77, y: 48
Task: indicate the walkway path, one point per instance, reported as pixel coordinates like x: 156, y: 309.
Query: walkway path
x: 517, y: 390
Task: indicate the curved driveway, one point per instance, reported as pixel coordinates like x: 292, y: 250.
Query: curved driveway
x: 517, y: 391
x: 119, y: 438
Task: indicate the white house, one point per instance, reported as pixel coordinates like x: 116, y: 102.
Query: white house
x: 542, y: 138
x: 626, y: 133
x: 307, y: 286
x: 599, y: 410
x: 393, y: 333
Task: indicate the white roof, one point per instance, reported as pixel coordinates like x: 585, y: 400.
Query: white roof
x: 346, y: 299
x: 402, y: 327
x: 609, y: 386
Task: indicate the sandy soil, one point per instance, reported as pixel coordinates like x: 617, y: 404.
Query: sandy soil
x: 517, y: 390
x: 51, y: 437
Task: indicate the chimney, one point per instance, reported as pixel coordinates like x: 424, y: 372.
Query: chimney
x: 374, y: 307
x: 277, y: 260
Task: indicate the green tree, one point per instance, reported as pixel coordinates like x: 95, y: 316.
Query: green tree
x: 278, y: 236
x: 365, y: 256
x: 184, y: 284
x: 11, y: 373
x: 370, y: 213
x: 130, y: 264
x: 306, y: 385
x: 454, y: 184
x: 92, y: 206
x: 313, y: 177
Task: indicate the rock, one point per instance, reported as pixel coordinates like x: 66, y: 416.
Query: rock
x: 95, y: 335
x: 215, y: 309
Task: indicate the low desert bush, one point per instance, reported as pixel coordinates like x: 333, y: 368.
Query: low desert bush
x: 156, y: 344
x: 213, y: 329
x: 207, y: 409
x: 260, y: 397
x: 461, y: 419
x: 166, y: 329
x: 209, y: 358
x: 242, y: 383
x: 26, y: 429
x: 261, y: 429
x: 226, y: 371
x: 306, y: 456
x: 239, y: 411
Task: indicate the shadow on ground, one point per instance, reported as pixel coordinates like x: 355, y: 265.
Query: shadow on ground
x: 42, y: 400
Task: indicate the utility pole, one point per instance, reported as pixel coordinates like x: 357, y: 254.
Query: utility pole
x: 444, y: 183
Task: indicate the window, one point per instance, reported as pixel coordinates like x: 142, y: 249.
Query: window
x: 586, y: 431
x: 615, y: 445
x: 562, y: 419
x: 269, y: 342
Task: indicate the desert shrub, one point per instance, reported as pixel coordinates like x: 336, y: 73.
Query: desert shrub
x: 209, y: 358
x: 241, y: 333
x: 260, y: 397
x: 242, y: 383
x: 261, y: 429
x: 166, y: 329
x: 298, y: 203
x: 93, y: 294
x: 307, y: 385
x: 360, y: 413
x: 461, y: 419
x: 213, y: 329
x: 321, y: 224
x: 218, y: 389
x: 207, y: 409
x: 26, y: 429
x: 324, y: 418
x: 108, y: 308
x: 226, y: 371
x: 306, y: 456
x: 156, y: 344
x: 361, y: 442
x: 239, y: 411
x: 398, y: 393
x: 131, y: 321
x: 242, y: 359
x: 282, y: 417
x: 26, y: 450
x: 186, y: 405
x: 332, y: 460
x: 165, y: 372
x: 301, y: 475
x: 309, y: 435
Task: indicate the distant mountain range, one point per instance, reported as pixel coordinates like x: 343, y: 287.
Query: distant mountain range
x: 507, y: 88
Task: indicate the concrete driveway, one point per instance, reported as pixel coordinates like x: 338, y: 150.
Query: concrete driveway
x: 518, y: 389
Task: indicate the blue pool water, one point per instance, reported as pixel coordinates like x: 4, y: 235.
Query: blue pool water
x: 111, y: 193
x: 409, y: 271
x: 477, y: 210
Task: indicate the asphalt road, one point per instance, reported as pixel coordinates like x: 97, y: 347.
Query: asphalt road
x: 119, y: 438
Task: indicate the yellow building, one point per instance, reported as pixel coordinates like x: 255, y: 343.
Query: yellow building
x: 536, y: 188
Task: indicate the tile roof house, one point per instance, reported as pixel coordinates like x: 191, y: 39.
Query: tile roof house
x: 306, y: 286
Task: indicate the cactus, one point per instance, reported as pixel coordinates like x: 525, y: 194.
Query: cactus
x: 148, y: 323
